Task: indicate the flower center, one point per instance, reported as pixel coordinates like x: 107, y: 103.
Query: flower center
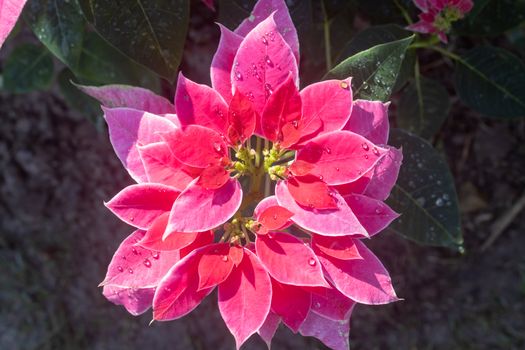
x: 446, y: 17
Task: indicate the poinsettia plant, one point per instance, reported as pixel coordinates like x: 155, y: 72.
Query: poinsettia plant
x: 267, y: 183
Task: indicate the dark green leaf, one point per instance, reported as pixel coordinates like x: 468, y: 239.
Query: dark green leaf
x: 28, y: 68
x: 85, y: 104
x: 102, y: 64
x: 380, y: 35
x: 150, y: 32
x: 59, y: 25
x: 374, y: 71
x: 424, y: 195
x: 492, y: 17
x: 492, y: 82
x: 233, y: 12
x: 423, y: 107
x: 380, y: 11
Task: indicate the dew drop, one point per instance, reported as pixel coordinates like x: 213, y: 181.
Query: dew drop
x: 217, y: 147
x: 265, y: 42
x: 238, y: 76
x: 295, y: 124
x: 147, y: 263
x: 439, y: 202
x: 268, y: 89
x: 337, y: 169
x: 321, y: 177
x: 275, y: 216
x: 224, y: 258
x: 130, y: 270
x: 328, y: 150
x: 375, y: 151
x: 167, y: 289
x: 134, y: 251
x: 365, y: 146
x: 311, y: 262
x: 378, y: 210
x: 366, y: 156
x: 120, y: 268
x: 155, y: 255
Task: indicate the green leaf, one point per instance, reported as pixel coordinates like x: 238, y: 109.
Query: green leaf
x: 150, y: 32
x: 492, y: 17
x: 233, y: 12
x: 492, y: 82
x: 381, y: 11
x: 102, y: 64
x: 59, y: 25
x: 382, y: 34
x: 29, y: 67
x: 425, y: 195
x: 374, y: 71
x: 75, y: 98
x: 423, y: 107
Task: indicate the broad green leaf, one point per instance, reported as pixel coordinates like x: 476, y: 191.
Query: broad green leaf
x: 151, y: 32
x: 425, y: 195
x: 59, y: 25
x: 491, y: 81
x: 423, y: 107
x: 85, y: 104
x: 492, y: 17
x: 382, y: 34
x: 374, y: 71
x: 102, y: 64
x: 28, y: 67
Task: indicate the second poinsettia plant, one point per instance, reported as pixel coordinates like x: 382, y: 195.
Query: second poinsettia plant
x: 254, y: 187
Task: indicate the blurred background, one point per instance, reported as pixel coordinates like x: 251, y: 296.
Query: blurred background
x: 57, y: 238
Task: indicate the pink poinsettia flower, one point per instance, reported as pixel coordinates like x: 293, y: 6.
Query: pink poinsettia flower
x: 437, y: 16
x: 10, y: 10
x: 254, y: 187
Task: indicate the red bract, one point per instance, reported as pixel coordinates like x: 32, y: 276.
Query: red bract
x: 255, y: 187
x: 437, y: 16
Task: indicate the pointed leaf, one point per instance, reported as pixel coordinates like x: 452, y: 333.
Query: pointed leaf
x: 334, y: 334
x: 340, y: 156
x: 162, y: 167
x: 342, y: 248
x: 143, y: 30
x: 214, y: 265
x: 275, y: 217
x: 201, y: 105
x: 425, y: 195
x: 213, y: 177
x: 113, y: 96
x: 264, y: 60
x: 382, y: 178
x: 336, y: 222
x: 139, y: 205
x: 129, y: 128
x: 136, y: 301
x: 291, y: 303
x: 59, y: 25
x: 373, y: 214
x: 245, y: 298
x: 310, y: 192
x: 236, y: 254
x: 242, y: 119
x: 364, y: 280
x: 326, y: 107
x: 269, y: 327
x: 177, y: 293
x: 289, y: 260
x: 492, y: 82
x: 153, y: 237
x: 285, y: 26
x: 281, y: 116
x: 200, y: 209
x: 222, y: 63
x: 374, y: 71
x: 370, y: 120
x: 332, y: 304
x: 197, y: 146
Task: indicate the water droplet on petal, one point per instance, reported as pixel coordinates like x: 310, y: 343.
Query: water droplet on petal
x: 268, y: 61
x: 328, y: 150
x: 217, y: 147
x: 147, y: 263
x: 120, y: 268
x: 224, y: 258
x: 378, y: 210
x: 365, y: 146
x: 155, y: 255
x: 275, y: 216
x: 366, y: 156
x: 321, y: 177
x: 337, y: 169
x: 375, y: 151
x: 134, y: 251
x: 295, y: 124
x: 265, y: 42
x: 439, y: 202
x: 130, y: 270
x: 238, y: 75
x: 311, y: 262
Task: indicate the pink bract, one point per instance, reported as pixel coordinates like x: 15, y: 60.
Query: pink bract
x: 253, y: 187
x: 437, y: 16
x: 10, y: 10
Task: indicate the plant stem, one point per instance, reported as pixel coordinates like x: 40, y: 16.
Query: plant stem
x: 403, y: 12
x: 327, y: 43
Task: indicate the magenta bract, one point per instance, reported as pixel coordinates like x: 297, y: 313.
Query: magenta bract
x: 255, y: 187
